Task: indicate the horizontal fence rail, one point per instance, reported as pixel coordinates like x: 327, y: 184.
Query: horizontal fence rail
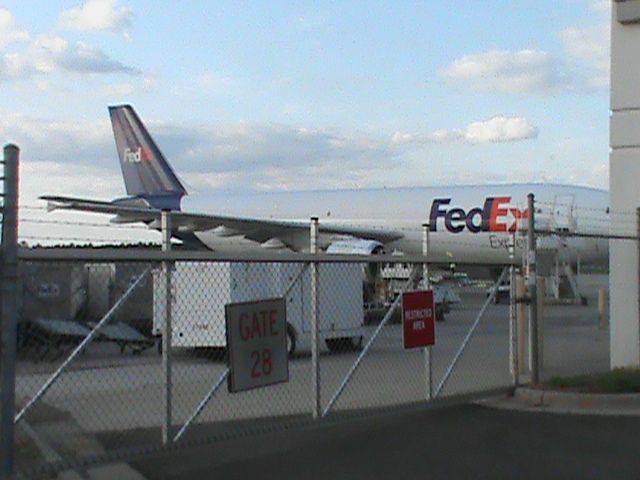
x: 143, y: 255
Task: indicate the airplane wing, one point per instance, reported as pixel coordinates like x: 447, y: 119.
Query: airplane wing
x: 292, y: 233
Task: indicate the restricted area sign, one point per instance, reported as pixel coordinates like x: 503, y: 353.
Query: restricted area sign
x: 418, y: 319
x: 257, y: 344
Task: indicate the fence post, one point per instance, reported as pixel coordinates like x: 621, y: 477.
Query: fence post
x: 427, y: 286
x: 521, y: 316
x: 541, y: 288
x: 165, y: 222
x: 533, y: 294
x: 9, y: 308
x: 315, y: 323
x: 513, y: 327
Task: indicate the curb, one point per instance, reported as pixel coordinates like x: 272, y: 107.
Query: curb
x: 553, y: 401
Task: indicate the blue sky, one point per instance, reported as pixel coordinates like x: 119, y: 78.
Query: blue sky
x: 298, y: 95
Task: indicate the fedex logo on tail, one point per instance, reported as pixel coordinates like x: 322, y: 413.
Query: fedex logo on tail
x: 137, y: 155
x: 496, y: 215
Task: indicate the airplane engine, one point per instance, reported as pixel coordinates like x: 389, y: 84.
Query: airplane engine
x: 359, y: 247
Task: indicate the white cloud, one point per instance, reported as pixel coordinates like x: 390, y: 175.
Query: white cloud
x: 584, y: 65
x: 601, y: 6
x: 522, y: 71
x: 119, y: 90
x: 227, y: 156
x: 98, y: 15
x: 9, y: 31
x: 498, y: 129
x: 588, y: 48
x: 42, y: 176
x: 599, y: 176
x: 209, y: 83
x: 212, y: 82
x: 438, y: 136
x: 251, y: 154
x: 61, y: 142
x: 36, y: 225
x: 55, y: 54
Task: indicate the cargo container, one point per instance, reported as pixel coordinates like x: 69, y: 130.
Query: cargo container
x: 137, y: 311
x: 52, y: 291
x: 99, y: 288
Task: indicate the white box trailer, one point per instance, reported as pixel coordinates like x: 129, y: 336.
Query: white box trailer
x: 200, y: 291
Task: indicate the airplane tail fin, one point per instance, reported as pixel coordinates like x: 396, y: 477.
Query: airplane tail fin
x: 146, y: 172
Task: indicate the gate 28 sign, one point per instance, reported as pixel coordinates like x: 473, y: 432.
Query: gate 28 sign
x: 418, y: 319
x: 257, y: 344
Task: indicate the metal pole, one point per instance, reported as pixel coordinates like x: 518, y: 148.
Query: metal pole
x: 513, y: 327
x: 533, y: 293
x: 315, y: 323
x: 541, y: 288
x: 165, y: 222
x: 427, y: 285
x: 9, y: 308
x: 521, y: 316
x: 637, y: 266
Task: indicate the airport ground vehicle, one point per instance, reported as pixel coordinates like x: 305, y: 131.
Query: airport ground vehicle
x: 201, y: 290
x: 503, y: 293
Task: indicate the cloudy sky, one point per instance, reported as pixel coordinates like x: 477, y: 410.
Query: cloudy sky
x: 298, y: 95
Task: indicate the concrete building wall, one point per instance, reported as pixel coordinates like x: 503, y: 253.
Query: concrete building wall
x: 624, y: 182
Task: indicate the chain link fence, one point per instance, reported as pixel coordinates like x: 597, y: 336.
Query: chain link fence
x: 91, y: 377
x: 122, y: 353
x: 572, y: 279
x: 575, y: 335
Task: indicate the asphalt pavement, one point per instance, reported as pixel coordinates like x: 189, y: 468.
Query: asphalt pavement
x: 466, y: 441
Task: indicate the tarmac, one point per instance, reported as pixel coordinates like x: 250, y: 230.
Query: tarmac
x: 532, y: 434
x: 462, y: 441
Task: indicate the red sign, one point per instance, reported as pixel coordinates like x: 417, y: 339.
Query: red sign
x: 418, y: 319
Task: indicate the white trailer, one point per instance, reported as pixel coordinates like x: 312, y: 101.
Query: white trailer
x: 200, y: 291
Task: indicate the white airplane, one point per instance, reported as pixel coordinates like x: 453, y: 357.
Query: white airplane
x: 468, y: 224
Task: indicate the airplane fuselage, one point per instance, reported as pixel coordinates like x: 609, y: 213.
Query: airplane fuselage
x: 468, y: 224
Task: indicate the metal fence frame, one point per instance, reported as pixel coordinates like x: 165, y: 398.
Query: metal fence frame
x: 169, y: 257
x: 8, y: 306
x: 11, y: 255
